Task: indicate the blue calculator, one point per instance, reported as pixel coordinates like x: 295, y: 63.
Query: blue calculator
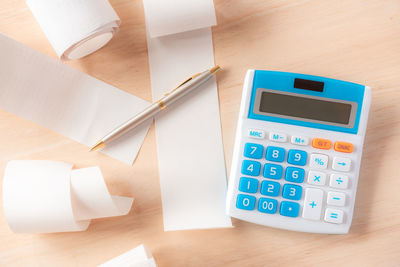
x: 298, y: 151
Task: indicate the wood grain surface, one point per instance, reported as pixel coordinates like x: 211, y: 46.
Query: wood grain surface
x: 356, y: 40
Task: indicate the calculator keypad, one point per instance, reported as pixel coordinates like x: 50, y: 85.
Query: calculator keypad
x: 266, y: 165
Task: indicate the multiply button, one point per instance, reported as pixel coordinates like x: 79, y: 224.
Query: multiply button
x: 316, y: 178
x: 313, y: 204
x: 318, y: 161
x: 256, y: 134
x: 321, y: 143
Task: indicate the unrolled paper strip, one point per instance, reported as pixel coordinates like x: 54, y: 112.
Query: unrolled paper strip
x: 56, y: 96
x: 137, y: 257
x: 189, y: 139
x: 75, y: 28
x: 48, y: 197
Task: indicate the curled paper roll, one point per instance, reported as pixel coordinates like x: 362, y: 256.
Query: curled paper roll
x: 48, y: 196
x: 75, y: 28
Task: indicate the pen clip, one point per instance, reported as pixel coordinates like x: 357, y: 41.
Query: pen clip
x: 184, y: 82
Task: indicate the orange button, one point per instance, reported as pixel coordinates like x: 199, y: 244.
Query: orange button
x: 321, y: 143
x: 344, y: 147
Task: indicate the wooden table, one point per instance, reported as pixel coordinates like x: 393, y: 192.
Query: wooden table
x: 356, y: 41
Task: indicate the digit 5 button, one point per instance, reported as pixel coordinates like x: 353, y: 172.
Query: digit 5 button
x: 321, y: 143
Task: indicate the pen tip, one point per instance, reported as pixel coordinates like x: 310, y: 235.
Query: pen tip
x: 97, y: 146
x: 215, y: 69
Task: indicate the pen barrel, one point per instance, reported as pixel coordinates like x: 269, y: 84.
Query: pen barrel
x: 185, y: 89
x: 158, y: 106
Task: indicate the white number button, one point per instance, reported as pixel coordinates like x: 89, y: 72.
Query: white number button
x: 316, y: 178
x: 256, y: 134
x: 334, y: 216
x: 318, y: 161
x: 277, y: 137
x: 313, y: 204
x: 299, y: 140
x: 336, y: 199
x: 339, y: 181
x: 341, y: 164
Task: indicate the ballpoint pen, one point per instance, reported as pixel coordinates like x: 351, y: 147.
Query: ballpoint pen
x: 184, y: 88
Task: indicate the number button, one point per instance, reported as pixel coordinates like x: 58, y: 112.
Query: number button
x: 339, y: 181
x: 289, y: 209
x: 316, y: 178
x: 269, y: 188
x: 245, y: 202
x: 291, y: 191
x: 341, y: 164
x: 318, y: 161
x: 295, y: 175
x: 248, y: 185
x: 273, y: 171
x: 250, y: 167
x: 276, y: 154
x: 297, y: 157
x: 334, y: 216
x: 267, y: 205
x: 254, y: 151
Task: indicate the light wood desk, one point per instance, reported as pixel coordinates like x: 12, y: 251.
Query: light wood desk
x: 356, y: 41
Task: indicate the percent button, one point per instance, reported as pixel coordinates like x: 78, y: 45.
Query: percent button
x: 318, y: 161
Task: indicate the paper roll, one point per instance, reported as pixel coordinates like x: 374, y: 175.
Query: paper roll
x: 75, y: 28
x: 48, y: 196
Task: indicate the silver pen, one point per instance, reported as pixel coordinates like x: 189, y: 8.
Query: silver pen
x: 183, y: 89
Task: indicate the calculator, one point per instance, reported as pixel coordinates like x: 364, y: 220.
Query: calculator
x: 297, y: 151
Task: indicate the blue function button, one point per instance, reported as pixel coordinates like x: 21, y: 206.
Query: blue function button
x: 254, y: 151
x: 269, y: 188
x: 289, y: 209
x: 291, y: 191
x: 248, y: 185
x: 245, y: 202
x: 267, y: 205
x: 276, y: 154
x: 297, y: 157
x: 295, y: 175
x: 250, y: 167
x: 273, y: 171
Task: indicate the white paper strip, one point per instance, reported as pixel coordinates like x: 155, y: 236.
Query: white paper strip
x: 75, y: 28
x: 190, y: 150
x: 177, y: 16
x: 39, y: 197
x: 56, y: 96
x: 137, y: 257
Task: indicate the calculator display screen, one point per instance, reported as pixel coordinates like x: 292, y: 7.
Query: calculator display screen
x: 306, y: 108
